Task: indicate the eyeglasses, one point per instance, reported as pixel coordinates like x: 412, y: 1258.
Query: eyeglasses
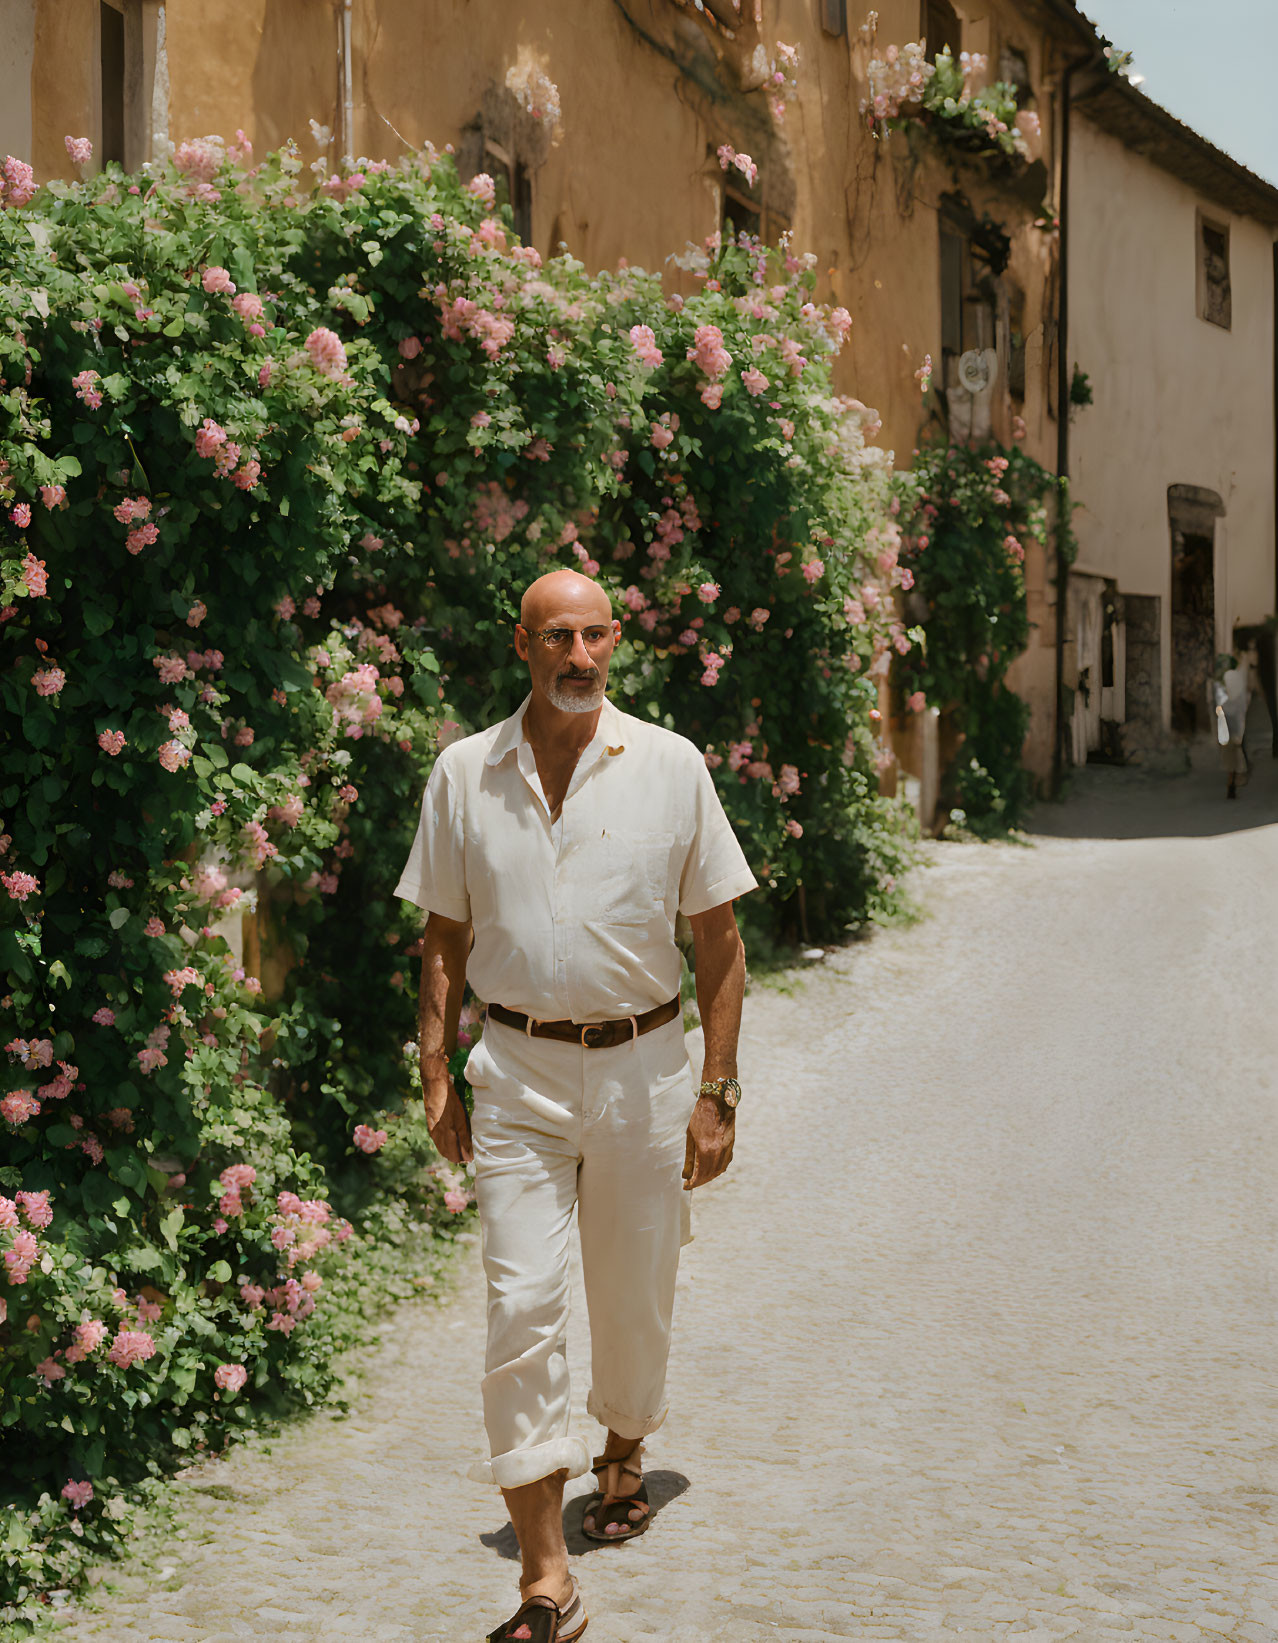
x: 562, y: 638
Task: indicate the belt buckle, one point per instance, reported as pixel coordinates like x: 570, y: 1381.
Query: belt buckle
x: 587, y: 1043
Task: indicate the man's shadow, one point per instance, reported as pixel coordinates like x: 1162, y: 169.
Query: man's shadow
x: 663, y: 1487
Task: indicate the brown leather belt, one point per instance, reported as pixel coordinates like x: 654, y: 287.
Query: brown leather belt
x: 591, y: 1035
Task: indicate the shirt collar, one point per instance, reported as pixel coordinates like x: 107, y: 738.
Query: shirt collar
x: 608, y: 731
x: 509, y: 734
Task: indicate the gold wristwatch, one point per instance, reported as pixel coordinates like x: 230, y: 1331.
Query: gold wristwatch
x: 726, y: 1091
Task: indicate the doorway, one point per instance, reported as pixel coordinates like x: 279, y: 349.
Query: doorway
x: 1193, y: 618
x: 1193, y: 513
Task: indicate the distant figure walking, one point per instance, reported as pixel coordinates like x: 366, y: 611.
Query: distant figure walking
x: 1232, y: 690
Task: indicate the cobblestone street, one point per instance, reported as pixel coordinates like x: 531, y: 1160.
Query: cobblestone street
x: 978, y: 1337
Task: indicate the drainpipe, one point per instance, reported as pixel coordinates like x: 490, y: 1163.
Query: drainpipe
x: 1062, y: 415
x: 1267, y: 649
x: 348, y: 89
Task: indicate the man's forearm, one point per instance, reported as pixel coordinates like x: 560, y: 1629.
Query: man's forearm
x: 720, y: 989
x: 445, y: 949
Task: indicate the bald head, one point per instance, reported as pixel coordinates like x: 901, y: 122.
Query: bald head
x: 563, y: 598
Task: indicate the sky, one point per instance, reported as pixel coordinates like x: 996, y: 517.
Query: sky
x: 1208, y: 62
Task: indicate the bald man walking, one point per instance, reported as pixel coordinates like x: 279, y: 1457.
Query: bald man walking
x: 552, y: 856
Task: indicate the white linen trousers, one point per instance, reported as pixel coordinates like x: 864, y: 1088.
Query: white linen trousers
x: 556, y: 1126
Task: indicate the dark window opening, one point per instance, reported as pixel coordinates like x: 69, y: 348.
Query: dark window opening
x: 1193, y: 628
x: 941, y: 29
x: 513, y: 187
x: 740, y: 216
x: 111, y: 68
x: 834, y: 16
x: 968, y: 300
x: 1013, y: 67
x: 1016, y: 343
x: 954, y: 257
x: 1215, y: 296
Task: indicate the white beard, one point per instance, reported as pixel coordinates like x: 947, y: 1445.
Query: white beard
x: 568, y: 701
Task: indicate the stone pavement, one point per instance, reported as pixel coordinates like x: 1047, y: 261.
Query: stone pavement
x: 978, y: 1337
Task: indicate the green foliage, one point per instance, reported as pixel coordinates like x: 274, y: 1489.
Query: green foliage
x: 1080, y: 387
x: 973, y: 510
x: 976, y: 121
x: 328, y: 436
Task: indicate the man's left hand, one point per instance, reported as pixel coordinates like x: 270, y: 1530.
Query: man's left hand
x: 711, y: 1133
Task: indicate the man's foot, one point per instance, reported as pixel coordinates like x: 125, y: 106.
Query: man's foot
x: 619, y: 1510
x: 554, y: 1615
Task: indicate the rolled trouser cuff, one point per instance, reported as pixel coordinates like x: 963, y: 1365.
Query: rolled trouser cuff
x: 625, y: 1426
x: 520, y: 1466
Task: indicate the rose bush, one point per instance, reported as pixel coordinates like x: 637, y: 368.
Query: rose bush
x: 275, y: 463
x: 971, y: 510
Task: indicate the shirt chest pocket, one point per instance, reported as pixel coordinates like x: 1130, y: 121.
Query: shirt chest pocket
x: 621, y: 875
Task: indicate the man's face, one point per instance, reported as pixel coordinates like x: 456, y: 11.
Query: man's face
x: 568, y: 645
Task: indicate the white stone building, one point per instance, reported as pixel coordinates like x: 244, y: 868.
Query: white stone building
x: 1171, y: 316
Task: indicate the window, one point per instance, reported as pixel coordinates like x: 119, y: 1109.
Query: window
x: 740, y: 215
x: 111, y: 66
x: 513, y: 187
x: 1215, y: 302
x: 941, y: 28
x: 968, y: 299
x: 1015, y: 342
x: 1013, y: 67
x: 953, y: 280
x: 834, y: 16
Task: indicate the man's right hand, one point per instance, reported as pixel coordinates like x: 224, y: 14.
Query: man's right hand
x: 446, y: 1118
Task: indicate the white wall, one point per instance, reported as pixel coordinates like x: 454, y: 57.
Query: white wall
x: 1178, y: 401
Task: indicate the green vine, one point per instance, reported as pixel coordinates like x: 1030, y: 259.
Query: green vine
x: 973, y: 511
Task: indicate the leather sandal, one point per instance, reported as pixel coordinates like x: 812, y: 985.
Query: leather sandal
x: 611, y: 1513
x: 541, y: 1620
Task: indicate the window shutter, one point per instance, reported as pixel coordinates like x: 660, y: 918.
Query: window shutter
x: 834, y: 16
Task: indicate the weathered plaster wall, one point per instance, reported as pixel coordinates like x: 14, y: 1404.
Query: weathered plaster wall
x: 65, y: 98
x: 648, y: 94
x: 1178, y: 401
x: 17, y: 52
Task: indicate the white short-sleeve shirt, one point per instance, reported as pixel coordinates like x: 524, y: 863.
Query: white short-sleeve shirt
x: 574, y: 918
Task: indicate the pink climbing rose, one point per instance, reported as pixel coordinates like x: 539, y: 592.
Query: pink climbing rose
x: 327, y: 353
x: 77, y: 1494
x: 35, y: 1207
x: 17, y: 182
x: 19, y: 1106
x: 369, y: 1140
x: 644, y: 343
x: 131, y: 1346
x: 48, y: 681
x: 218, y: 282
x: 85, y: 391
x: 230, y: 1376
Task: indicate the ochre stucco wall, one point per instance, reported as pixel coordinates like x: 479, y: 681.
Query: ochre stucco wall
x: 647, y: 99
x: 64, y: 82
x: 1178, y: 401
